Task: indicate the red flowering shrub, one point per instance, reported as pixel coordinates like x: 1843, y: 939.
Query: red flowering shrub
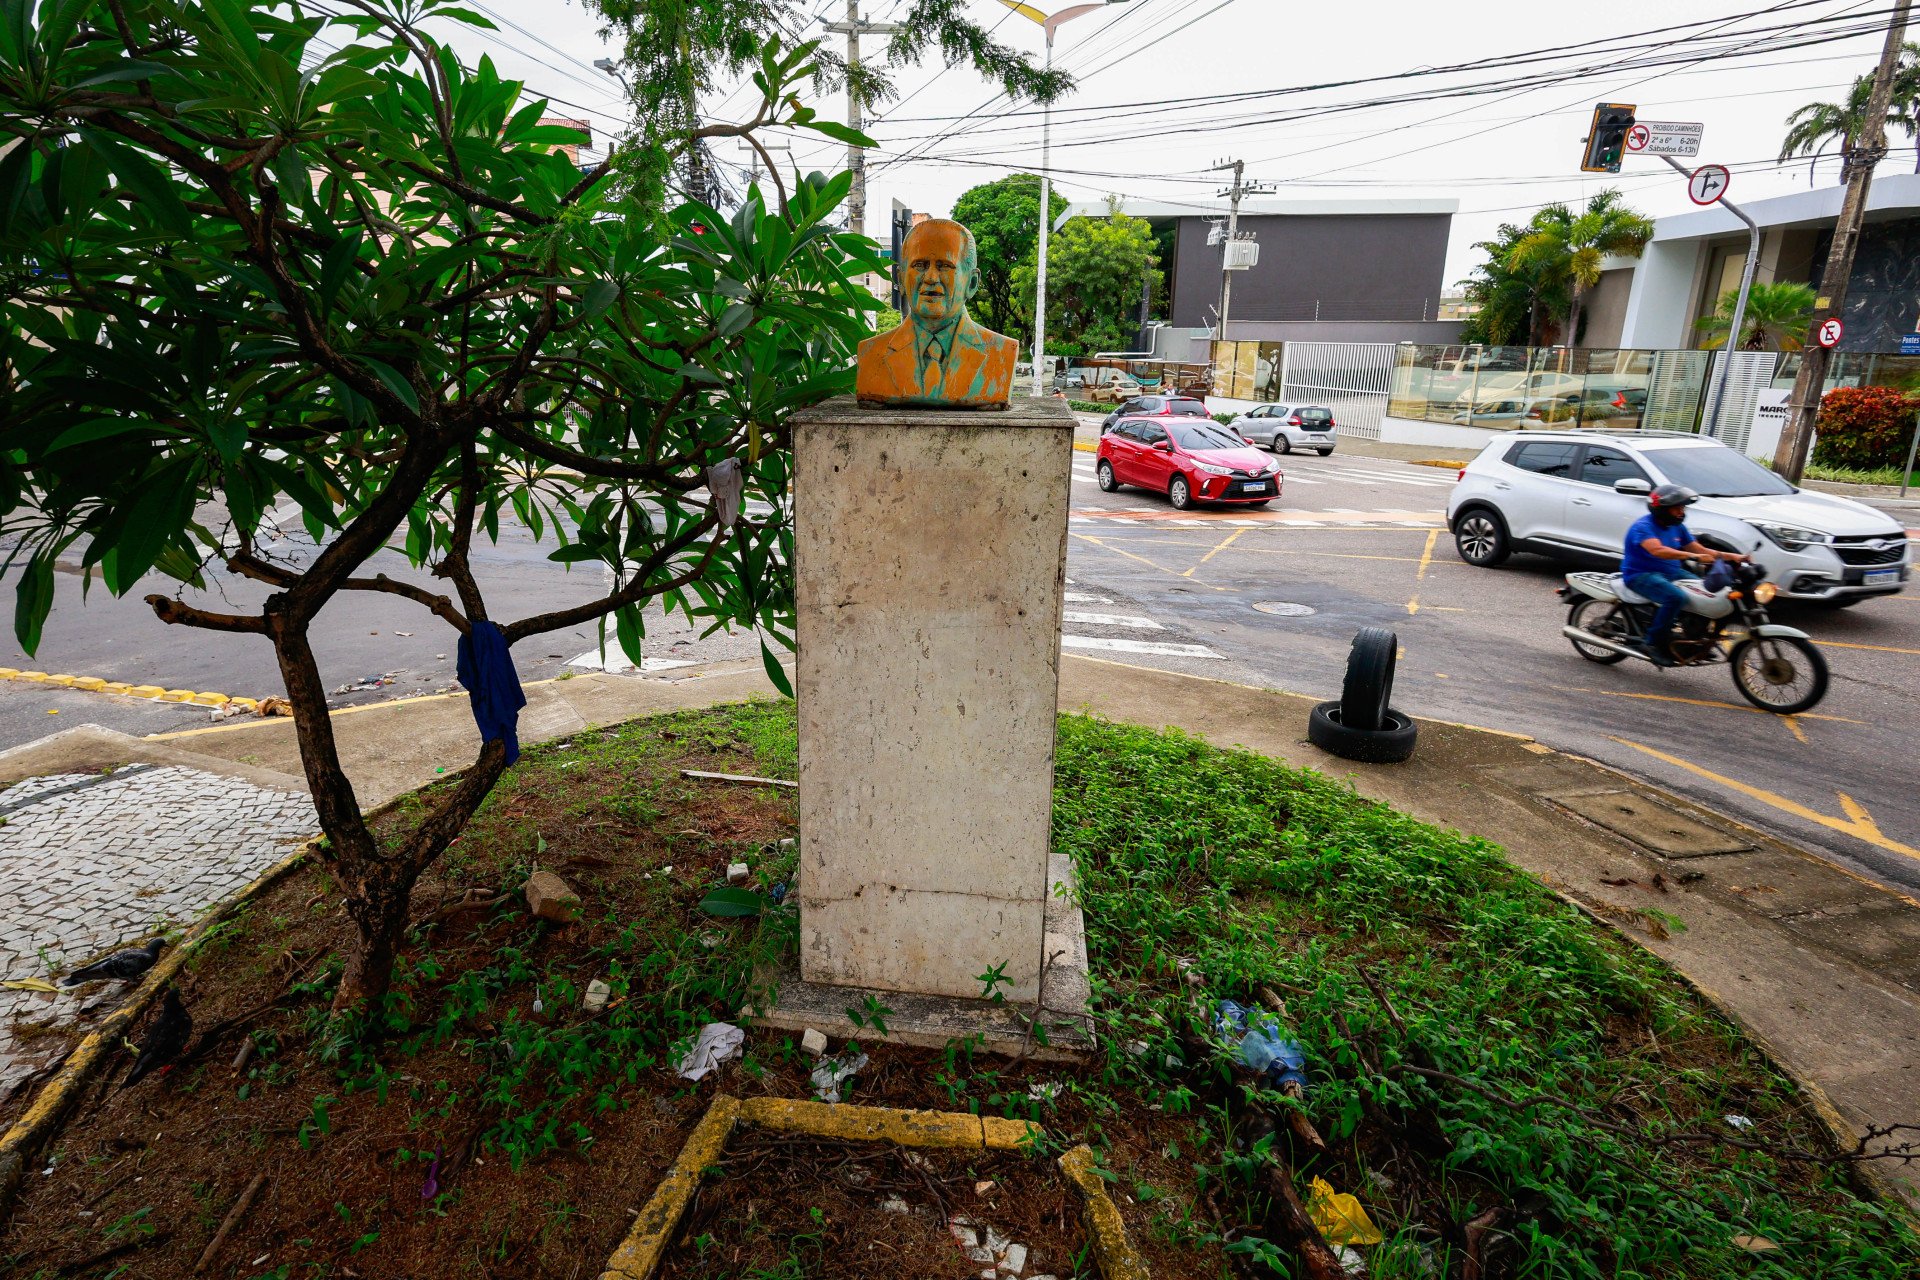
x: 1865, y: 427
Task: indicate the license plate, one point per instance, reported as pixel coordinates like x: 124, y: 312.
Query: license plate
x: 1881, y: 577
x: 1262, y: 487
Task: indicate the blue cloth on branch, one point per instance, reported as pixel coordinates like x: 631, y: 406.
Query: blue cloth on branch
x: 485, y: 665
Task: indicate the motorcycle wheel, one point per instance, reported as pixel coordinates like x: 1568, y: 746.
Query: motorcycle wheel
x: 1603, y: 618
x: 1781, y: 674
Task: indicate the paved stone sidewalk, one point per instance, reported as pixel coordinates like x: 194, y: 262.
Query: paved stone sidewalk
x: 89, y: 861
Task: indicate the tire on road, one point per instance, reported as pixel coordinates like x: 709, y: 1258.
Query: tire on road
x: 1285, y: 444
x: 1799, y: 667
x: 1180, y: 493
x: 1367, y: 691
x: 1389, y: 744
x: 1325, y: 453
x: 1480, y: 536
x: 1594, y: 615
x: 1104, y: 473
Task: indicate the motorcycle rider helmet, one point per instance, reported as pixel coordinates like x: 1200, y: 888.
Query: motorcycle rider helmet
x: 1669, y: 503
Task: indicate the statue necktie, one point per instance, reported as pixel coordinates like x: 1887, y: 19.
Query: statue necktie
x: 932, y: 374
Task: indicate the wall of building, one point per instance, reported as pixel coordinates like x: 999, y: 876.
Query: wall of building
x: 1605, y: 306
x: 1351, y: 267
x: 1442, y: 331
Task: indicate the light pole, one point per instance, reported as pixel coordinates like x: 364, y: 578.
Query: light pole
x: 1049, y: 25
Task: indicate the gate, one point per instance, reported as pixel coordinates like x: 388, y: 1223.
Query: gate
x: 1350, y: 378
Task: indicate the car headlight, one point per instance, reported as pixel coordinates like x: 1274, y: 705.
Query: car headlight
x: 1789, y: 537
x: 1212, y: 470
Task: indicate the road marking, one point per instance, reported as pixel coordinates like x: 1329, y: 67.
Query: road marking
x: 1142, y: 559
x: 1793, y: 723
x: 1858, y: 823
x: 1224, y: 544
x: 616, y: 661
x: 1877, y: 648
x: 1426, y: 555
x: 1139, y: 646
x: 1083, y: 597
x: 1110, y: 620
x: 1710, y: 702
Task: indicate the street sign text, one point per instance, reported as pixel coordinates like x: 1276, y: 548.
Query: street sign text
x: 1665, y: 138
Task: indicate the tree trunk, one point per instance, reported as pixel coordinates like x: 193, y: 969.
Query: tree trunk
x: 1572, y: 335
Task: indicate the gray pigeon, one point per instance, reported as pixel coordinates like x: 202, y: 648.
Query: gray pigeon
x: 121, y: 966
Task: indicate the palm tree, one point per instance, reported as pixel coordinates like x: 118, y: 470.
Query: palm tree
x: 1816, y: 126
x: 1776, y: 317
x: 1569, y: 247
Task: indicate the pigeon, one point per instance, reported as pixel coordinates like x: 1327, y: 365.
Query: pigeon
x: 122, y: 966
x: 165, y: 1038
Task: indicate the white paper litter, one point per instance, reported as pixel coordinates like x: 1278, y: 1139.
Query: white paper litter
x: 718, y: 1042
x: 832, y: 1073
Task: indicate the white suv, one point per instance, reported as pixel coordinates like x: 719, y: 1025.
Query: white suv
x: 1575, y: 493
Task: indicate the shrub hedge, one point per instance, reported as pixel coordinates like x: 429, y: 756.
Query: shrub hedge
x: 1865, y: 427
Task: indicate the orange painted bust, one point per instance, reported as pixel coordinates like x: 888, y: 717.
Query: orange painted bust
x: 938, y: 357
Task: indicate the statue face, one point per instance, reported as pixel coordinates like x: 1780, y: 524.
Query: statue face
x: 937, y: 285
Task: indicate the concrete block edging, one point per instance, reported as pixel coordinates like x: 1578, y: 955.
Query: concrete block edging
x: 639, y: 1255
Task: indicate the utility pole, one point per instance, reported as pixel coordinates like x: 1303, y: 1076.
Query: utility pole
x: 853, y: 28
x: 1790, y: 460
x: 753, y: 155
x: 1239, y: 188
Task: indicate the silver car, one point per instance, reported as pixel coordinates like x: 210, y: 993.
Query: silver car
x: 1287, y: 427
x: 1575, y: 493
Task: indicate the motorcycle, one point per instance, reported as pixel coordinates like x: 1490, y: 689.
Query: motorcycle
x: 1775, y: 668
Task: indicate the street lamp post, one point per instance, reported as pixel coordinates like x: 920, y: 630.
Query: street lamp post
x: 1049, y: 25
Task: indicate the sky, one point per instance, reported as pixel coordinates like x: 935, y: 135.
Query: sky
x: 1126, y: 131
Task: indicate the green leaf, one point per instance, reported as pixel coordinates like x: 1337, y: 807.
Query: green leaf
x: 572, y: 553
x: 732, y: 902
x: 33, y: 596
x: 840, y: 132
x: 630, y: 629
x: 390, y: 379
x: 97, y: 429
x: 775, y: 672
x: 602, y: 295
x: 736, y: 317
x: 144, y: 179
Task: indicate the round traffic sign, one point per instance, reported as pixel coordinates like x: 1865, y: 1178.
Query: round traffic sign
x: 1638, y: 137
x: 1708, y: 183
x: 1828, y: 334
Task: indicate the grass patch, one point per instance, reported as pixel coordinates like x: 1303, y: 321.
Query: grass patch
x: 467, y: 1132
x: 1856, y: 475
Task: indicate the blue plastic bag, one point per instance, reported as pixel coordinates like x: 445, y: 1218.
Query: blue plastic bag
x: 1261, y: 1048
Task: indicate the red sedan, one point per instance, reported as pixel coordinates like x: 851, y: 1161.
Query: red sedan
x: 1189, y: 461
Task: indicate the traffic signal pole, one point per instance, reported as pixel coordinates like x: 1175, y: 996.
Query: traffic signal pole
x: 853, y: 28
x: 1790, y: 459
x: 1717, y: 395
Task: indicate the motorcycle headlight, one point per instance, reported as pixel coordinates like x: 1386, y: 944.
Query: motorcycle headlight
x: 1212, y: 470
x: 1765, y: 592
x: 1791, y: 538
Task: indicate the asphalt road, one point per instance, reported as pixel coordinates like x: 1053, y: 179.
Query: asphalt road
x: 1357, y: 541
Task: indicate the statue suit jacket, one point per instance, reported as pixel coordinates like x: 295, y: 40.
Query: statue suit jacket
x: 979, y: 370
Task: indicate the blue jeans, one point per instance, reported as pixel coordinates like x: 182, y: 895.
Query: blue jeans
x: 1661, y: 588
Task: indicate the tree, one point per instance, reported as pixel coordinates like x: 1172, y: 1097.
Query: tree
x: 1097, y: 269
x: 1004, y: 217
x: 1777, y: 315
x: 675, y: 50
x: 1818, y: 125
x: 1567, y: 248
x: 1514, y: 301
x: 238, y: 264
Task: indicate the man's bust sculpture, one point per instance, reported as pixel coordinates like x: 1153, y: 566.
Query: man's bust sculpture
x: 938, y: 356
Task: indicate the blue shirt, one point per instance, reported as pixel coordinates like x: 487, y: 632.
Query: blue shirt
x: 1637, y: 559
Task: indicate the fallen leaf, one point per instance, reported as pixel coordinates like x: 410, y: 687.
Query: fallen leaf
x: 1754, y: 1244
x: 31, y: 984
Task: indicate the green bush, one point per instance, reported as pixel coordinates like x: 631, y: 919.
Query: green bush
x: 1088, y: 406
x: 1865, y: 428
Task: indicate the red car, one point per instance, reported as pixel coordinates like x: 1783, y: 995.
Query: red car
x: 1190, y: 461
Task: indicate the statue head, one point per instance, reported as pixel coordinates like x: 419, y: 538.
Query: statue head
x: 939, y: 271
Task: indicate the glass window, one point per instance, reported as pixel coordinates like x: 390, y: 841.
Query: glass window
x: 1544, y: 457
x: 1149, y: 432
x: 1718, y: 472
x: 1315, y: 415
x: 1125, y: 430
x: 1206, y: 437
x: 1192, y: 408
x: 1604, y: 466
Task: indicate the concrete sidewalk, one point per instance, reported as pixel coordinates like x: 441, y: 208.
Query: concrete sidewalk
x: 1821, y: 966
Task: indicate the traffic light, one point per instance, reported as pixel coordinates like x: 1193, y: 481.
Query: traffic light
x: 1607, y: 139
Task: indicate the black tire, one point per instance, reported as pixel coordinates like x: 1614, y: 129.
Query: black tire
x: 1103, y: 472
x: 1285, y: 445
x: 1368, y: 689
x: 1599, y: 617
x: 1480, y: 536
x: 1325, y: 453
x: 1390, y: 744
x: 1180, y: 494
x: 1784, y: 690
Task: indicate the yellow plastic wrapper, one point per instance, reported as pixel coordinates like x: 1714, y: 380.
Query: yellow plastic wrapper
x: 1339, y: 1216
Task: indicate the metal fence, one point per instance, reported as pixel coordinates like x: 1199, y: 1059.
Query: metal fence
x: 1351, y: 378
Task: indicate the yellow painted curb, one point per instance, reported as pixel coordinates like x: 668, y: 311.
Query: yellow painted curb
x: 1082, y: 446
x: 209, y: 699
x: 62, y: 680
x: 1115, y: 1253
x: 8, y: 673
x: 146, y: 691
x: 24, y: 1140
x: 35, y: 677
x: 91, y: 684
x: 176, y: 695
x: 96, y: 684
x: 846, y: 1123
x: 653, y: 1230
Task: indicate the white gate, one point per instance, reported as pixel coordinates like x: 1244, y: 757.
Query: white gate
x: 1750, y: 374
x: 1350, y: 378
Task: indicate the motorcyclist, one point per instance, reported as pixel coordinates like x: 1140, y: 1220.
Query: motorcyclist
x: 1650, y: 562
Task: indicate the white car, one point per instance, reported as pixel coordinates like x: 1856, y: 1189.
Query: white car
x: 1285, y: 427
x: 1575, y: 493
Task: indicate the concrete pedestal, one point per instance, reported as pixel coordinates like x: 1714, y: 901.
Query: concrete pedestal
x: 930, y: 560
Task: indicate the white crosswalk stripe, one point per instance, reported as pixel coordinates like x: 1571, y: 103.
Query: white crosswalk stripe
x: 1165, y: 650
x: 1128, y: 621
x: 1086, y: 597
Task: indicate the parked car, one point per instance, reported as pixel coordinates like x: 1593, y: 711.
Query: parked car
x: 1157, y: 407
x: 1191, y: 462
x: 1575, y: 493
x: 1279, y: 426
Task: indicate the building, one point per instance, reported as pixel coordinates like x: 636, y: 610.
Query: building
x: 1333, y: 270
x: 1696, y: 257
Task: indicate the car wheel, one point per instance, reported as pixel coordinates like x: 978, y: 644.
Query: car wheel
x: 1368, y: 688
x: 1109, y: 483
x: 1286, y: 445
x: 1481, y: 538
x: 1180, y: 494
x: 1392, y: 743
x: 1325, y: 453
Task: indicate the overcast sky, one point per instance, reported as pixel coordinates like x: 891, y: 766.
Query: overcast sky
x: 1500, y: 155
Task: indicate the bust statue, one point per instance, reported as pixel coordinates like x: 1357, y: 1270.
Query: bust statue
x: 938, y: 356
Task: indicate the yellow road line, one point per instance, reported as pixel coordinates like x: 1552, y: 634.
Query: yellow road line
x: 1426, y: 555
x: 1877, y: 648
x: 1858, y: 823
x: 1142, y: 559
x: 1709, y: 702
x: 1225, y: 543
